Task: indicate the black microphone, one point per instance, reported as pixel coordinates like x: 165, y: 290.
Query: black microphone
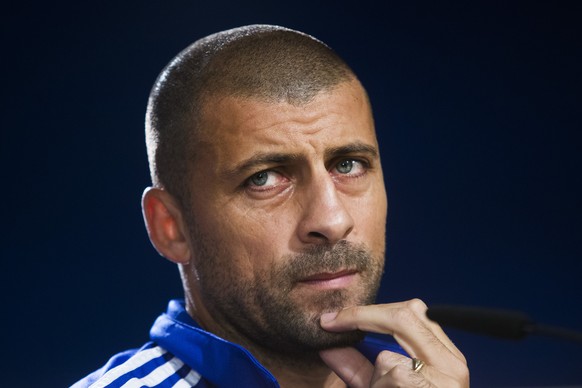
x: 496, y: 322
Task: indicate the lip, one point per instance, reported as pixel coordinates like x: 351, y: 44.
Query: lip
x: 329, y: 280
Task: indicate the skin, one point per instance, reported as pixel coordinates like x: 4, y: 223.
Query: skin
x: 320, y: 185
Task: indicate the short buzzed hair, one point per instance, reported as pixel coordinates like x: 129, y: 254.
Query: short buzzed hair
x: 269, y: 63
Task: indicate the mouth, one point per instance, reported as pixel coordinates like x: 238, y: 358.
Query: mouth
x: 329, y: 280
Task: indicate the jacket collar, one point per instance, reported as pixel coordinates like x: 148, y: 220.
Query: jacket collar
x: 224, y: 363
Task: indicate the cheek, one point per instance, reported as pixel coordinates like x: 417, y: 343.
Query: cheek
x: 252, y: 240
x: 374, y: 228
x: 370, y: 220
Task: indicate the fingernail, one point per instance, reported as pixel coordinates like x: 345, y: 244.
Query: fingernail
x: 328, y: 317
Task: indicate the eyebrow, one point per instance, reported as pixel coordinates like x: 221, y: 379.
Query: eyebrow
x: 261, y: 159
x: 349, y: 149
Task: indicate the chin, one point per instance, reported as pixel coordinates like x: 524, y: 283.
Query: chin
x: 338, y: 340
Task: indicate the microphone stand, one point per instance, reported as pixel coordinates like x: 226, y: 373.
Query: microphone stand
x: 497, y: 323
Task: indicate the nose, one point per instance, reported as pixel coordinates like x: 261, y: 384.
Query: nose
x: 325, y: 219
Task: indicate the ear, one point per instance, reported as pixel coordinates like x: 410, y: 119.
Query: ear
x: 165, y: 225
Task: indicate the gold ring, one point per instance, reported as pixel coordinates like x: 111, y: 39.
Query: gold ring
x: 417, y: 364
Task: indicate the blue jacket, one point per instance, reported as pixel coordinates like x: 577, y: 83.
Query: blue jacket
x: 181, y: 354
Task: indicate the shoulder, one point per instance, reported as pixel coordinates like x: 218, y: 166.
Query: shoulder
x: 114, y: 361
x: 148, y: 366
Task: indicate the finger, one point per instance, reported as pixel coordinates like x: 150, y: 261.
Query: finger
x: 350, y: 365
x: 396, y: 319
x: 393, y: 369
x: 386, y: 361
x: 399, y: 320
x: 403, y: 376
x: 420, y: 308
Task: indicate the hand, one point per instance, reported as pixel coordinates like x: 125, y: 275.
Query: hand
x: 445, y: 365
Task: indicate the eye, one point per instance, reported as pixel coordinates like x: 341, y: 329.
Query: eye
x: 260, y: 179
x: 265, y: 180
x: 345, y: 166
x: 351, y: 167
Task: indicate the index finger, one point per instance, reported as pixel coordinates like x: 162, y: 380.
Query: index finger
x: 405, y: 322
x: 350, y: 366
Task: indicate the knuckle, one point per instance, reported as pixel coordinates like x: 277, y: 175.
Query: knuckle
x: 463, y: 362
x: 464, y: 376
x: 405, y: 314
x: 385, y: 357
x: 405, y: 377
x: 355, y: 379
x: 460, y: 372
x: 462, y: 359
x: 461, y: 366
x: 417, y: 305
x: 354, y: 311
x: 399, y: 373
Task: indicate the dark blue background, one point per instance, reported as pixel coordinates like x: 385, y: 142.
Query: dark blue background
x: 478, y: 115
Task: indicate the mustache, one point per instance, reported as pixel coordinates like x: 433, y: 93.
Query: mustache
x: 325, y: 258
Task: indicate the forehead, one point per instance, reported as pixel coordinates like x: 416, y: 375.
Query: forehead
x: 235, y: 128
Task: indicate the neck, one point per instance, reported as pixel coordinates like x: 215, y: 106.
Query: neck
x: 305, y: 370
x: 291, y: 370
x: 290, y: 378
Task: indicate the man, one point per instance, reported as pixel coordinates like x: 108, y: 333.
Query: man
x: 268, y: 194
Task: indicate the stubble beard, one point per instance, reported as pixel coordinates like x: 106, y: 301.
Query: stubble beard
x: 269, y: 312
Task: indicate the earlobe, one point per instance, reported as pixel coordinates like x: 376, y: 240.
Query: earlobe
x: 165, y: 226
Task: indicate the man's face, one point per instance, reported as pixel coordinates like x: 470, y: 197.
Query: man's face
x: 287, y: 217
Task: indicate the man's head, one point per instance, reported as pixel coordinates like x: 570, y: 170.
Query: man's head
x: 270, y: 63
x: 269, y: 190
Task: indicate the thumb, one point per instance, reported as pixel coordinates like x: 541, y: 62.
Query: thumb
x: 350, y: 365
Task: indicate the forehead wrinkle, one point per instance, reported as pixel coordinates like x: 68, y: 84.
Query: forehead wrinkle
x: 287, y: 121
x: 307, y: 118
x: 279, y: 123
x: 303, y: 117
